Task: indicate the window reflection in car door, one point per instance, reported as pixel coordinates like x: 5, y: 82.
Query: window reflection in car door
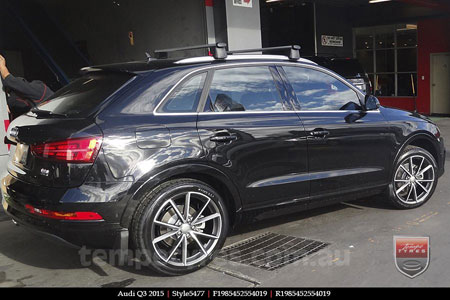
x: 248, y: 134
x: 347, y: 147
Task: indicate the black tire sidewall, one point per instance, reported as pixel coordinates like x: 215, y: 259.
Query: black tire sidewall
x: 144, y: 245
x: 407, y: 152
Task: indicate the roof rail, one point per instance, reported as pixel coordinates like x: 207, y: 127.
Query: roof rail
x: 218, y: 50
x: 294, y: 50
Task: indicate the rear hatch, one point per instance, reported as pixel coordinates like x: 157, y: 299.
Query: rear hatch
x: 56, y: 143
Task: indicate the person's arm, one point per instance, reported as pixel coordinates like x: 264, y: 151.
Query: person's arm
x: 31, y: 90
x: 3, y: 69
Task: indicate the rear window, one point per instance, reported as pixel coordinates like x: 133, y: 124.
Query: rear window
x: 83, y: 95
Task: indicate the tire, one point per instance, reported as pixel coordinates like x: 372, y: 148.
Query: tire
x: 406, y: 191
x: 167, y: 240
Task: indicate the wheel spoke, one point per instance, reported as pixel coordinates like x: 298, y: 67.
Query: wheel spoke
x: 425, y: 180
x: 424, y: 170
x: 404, y: 169
x: 198, y: 243
x: 426, y: 191
x: 415, y: 192
x: 164, y: 236
x: 174, y: 248
x: 201, y: 211
x: 205, y: 219
x: 409, y: 193
x: 184, y: 251
x: 411, y: 165
x: 401, y: 180
x: 207, y: 235
x: 187, y: 203
x: 402, y: 188
x: 420, y: 166
x: 167, y: 225
x: 177, y: 211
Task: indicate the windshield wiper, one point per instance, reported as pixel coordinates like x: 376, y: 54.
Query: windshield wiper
x: 46, y: 114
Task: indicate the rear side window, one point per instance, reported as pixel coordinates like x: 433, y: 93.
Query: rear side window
x: 317, y: 90
x: 83, y: 95
x: 186, y: 96
x: 243, y: 89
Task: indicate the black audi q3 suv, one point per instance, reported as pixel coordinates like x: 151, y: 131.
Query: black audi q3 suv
x: 166, y: 155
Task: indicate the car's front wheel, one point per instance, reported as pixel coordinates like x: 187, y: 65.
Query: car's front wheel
x: 414, y: 179
x: 179, y: 226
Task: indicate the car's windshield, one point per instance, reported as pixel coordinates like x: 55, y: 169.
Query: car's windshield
x: 83, y: 95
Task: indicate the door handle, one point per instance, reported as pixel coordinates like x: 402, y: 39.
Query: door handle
x: 319, y: 133
x: 223, y: 138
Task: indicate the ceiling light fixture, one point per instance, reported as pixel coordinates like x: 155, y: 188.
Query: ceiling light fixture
x: 378, y: 1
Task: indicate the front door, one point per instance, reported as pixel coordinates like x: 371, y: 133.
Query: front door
x: 349, y: 149
x: 440, y: 88
x: 251, y: 133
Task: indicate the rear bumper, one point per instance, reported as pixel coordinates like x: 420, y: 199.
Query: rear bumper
x: 92, y: 234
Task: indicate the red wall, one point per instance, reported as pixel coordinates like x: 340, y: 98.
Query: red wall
x: 406, y: 103
x: 433, y: 37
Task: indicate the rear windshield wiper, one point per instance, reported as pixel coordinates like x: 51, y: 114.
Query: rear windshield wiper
x: 46, y: 114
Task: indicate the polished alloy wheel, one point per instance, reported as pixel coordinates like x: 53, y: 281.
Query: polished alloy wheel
x: 186, y: 229
x: 414, y: 179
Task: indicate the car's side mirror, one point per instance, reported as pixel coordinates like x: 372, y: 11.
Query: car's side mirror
x: 371, y: 102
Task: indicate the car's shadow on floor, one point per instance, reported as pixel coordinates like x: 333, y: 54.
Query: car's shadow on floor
x: 23, y: 246
x: 376, y: 202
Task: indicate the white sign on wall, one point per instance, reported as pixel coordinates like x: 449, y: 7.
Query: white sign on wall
x: 332, y: 41
x: 243, y: 3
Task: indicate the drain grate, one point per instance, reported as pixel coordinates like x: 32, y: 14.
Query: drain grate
x: 270, y: 251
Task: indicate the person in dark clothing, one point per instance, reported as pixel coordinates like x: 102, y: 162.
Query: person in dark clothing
x: 22, y: 95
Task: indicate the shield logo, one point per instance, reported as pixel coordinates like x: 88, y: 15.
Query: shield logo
x: 412, y: 254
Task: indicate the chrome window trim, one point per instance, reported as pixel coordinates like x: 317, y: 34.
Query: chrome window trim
x: 265, y: 112
x: 359, y: 94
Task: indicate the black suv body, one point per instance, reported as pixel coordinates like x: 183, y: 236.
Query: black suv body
x: 171, y: 153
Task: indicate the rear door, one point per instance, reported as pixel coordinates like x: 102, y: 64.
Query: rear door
x: 348, y: 149
x: 250, y: 132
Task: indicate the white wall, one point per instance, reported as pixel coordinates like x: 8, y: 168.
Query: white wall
x: 244, y: 26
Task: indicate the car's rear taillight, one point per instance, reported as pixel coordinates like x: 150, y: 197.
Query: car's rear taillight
x: 58, y: 215
x: 77, y: 150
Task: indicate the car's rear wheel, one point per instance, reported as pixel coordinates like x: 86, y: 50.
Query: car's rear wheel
x: 414, y: 179
x: 179, y: 226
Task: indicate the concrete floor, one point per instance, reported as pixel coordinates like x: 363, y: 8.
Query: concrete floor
x: 361, y: 251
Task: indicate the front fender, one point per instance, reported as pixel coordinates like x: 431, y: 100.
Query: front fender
x: 422, y: 135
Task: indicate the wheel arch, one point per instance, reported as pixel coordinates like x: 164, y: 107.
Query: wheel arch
x: 205, y: 173
x: 422, y: 140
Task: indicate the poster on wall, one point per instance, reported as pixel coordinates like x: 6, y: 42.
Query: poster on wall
x: 243, y: 3
x: 332, y: 41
